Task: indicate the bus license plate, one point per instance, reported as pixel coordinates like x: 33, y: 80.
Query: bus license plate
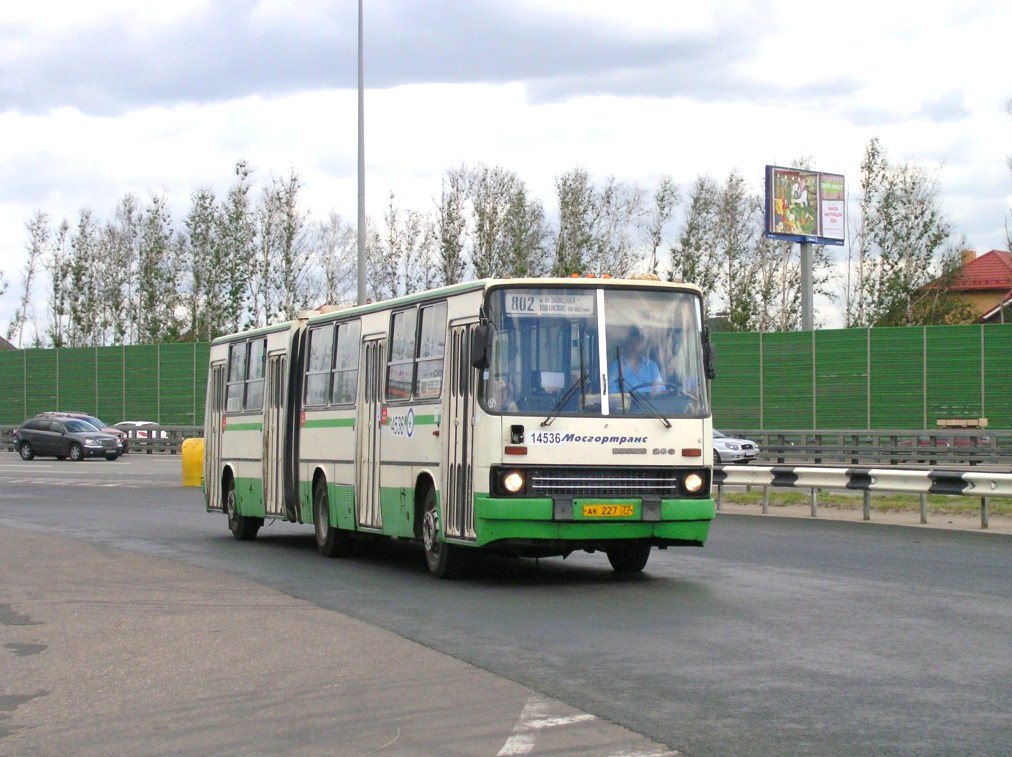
x: 607, y: 511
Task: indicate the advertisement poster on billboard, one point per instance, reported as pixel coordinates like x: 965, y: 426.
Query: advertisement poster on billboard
x: 831, y: 207
x: 805, y: 206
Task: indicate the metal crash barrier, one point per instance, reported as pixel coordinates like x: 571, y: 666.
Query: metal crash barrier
x: 867, y: 480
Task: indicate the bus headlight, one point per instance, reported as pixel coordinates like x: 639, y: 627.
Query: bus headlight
x: 693, y: 483
x: 513, y: 482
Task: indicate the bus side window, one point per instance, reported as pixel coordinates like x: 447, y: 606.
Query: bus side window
x: 431, y: 347
x: 236, y: 389
x: 321, y: 348
x: 257, y: 370
x: 346, y: 363
x: 401, y: 364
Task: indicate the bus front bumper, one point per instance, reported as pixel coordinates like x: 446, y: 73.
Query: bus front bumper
x: 667, y: 522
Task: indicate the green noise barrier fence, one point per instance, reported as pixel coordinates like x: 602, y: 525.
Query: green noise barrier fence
x: 163, y: 383
x: 882, y: 378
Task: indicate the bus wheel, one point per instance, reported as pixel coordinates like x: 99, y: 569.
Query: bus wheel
x: 242, y: 527
x: 631, y: 558
x: 443, y: 559
x: 330, y: 540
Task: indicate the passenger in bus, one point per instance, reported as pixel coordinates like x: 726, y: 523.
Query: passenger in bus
x: 633, y: 369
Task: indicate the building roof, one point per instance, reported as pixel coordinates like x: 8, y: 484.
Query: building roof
x: 992, y: 271
x: 5, y: 345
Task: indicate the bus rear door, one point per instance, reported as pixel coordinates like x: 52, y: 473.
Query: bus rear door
x: 274, y: 434
x: 370, y: 515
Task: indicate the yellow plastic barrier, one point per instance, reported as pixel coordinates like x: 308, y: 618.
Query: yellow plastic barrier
x: 193, y: 462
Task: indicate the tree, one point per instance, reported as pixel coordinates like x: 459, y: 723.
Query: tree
x: 665, y: 199
x: 619, y: 210
x: 83, y: 295
x: 116, y: 266
x: 737, y: 226
x: 401, y: 258
x: 902, y: 237
x: 525, y: 236
x: 577, y: 217
x: 39, y: 239
x: 203, y: 291
x: 288, y: 281
x: 694, y: 254
x: 451, y: 226
x: 874, y: 169
x: 58, y: 265
x: 157, y: 302
x: 336, y: 252
x: 235, y: 250
x: 491, y: 191
x: 596, y: 225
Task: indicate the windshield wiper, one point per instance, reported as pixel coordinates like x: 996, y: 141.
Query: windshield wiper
x: 557, y: 407
x: 635, y: 395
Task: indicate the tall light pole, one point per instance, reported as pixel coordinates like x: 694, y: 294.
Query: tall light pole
x: 361, y: 164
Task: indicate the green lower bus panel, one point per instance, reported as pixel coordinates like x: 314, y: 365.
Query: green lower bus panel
x: 249, y: 497
x: 498, y: 519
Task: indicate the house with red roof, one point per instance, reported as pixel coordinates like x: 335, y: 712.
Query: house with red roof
x: 985, y: 283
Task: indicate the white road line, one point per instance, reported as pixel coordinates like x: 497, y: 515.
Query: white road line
x: 535, y: 718
x: 68, y: 482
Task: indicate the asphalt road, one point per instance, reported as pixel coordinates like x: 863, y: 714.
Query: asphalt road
x: 780, y: 637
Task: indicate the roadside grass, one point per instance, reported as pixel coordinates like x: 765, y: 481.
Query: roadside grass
x: 938, y: 504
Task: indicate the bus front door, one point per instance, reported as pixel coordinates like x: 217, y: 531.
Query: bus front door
x: 274, y: 435
x: 458, y: 420
x: 370, y: 515
x: 215, y: 410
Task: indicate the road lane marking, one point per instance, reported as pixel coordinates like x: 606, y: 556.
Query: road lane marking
x: 67, y: 482
x: 535, y: 717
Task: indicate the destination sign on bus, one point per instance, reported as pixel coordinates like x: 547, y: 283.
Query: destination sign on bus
x: 548, y: 304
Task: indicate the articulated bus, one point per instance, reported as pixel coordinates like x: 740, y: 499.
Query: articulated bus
x: 532, y: 417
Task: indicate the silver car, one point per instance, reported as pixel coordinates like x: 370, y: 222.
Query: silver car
x: 727, y: 449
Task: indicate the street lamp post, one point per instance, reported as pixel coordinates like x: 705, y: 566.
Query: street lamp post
x: 361, y: 164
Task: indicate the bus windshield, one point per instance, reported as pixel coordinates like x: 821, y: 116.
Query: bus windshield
x: 590, y: 352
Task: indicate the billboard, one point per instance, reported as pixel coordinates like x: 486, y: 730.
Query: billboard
x: 805, y: 206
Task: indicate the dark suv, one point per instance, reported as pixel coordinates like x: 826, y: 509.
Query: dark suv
x: 62, y: 438
x: 97, y: 423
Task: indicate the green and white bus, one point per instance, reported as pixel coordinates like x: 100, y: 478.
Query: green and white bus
x: 533, y: 417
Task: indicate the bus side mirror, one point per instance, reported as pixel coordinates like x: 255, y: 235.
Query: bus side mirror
x: 709, y: 357
x: 481, y: 346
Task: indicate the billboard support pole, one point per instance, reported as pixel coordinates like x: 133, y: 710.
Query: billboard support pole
x: 807, y: 319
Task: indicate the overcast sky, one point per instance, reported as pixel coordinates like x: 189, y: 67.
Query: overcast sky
x: 106, y: 97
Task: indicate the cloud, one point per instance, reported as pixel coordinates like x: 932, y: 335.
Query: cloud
x: 119, y: 60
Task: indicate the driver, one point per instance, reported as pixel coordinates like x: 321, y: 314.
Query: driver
x: 635, y: 370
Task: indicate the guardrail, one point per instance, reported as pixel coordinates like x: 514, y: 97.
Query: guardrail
x: 889, y: 447
x: 146, y: 439
x: 867, y: 480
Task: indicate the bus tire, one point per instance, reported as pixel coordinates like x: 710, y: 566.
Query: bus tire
x: 630, y: 558
x: 443, y: 559
x: 242, y: 527
x: 330, y: 540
